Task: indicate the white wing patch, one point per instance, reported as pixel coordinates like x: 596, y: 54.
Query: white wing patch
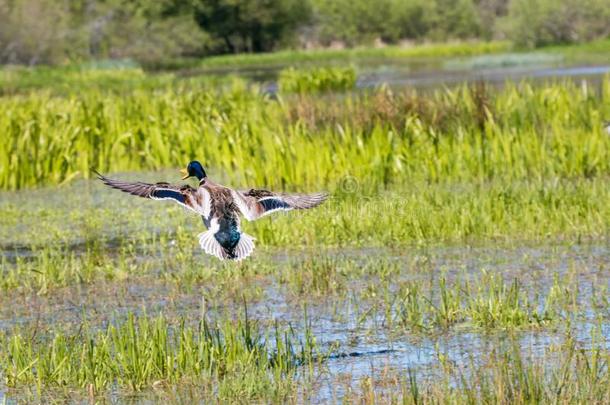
x: 206, y: 205
x: 243, y: 206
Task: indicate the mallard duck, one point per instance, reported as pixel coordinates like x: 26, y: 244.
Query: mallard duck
x: 220, y: 208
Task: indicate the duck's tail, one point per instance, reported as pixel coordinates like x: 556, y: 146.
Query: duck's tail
x: 243, y: 248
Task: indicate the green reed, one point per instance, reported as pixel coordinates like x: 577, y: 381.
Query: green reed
x: 462, y: 135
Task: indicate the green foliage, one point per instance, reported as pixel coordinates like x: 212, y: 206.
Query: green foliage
x: 249, y: 25
x: 34, y: 31
x: 58, y: 32
x: 455, y: 19
x: 544, y: 22
x: 360, y: 21
x: 162, y: 33
x: 316, y: 80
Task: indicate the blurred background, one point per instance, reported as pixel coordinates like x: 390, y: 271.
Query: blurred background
x: 155, y: 32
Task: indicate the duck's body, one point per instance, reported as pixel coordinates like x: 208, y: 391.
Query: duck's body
x: 220, y: 208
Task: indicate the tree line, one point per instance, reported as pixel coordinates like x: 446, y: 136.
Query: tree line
x: 61, y: 31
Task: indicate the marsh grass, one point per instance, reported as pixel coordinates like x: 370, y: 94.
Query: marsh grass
x: 504, y: 375
x: 154, y: 238
x: 486, y: 301
x: 460, y: 135
x: 317, y: 276
x: 236, y: 359
x: 50, y: 268
x: 249, y: 356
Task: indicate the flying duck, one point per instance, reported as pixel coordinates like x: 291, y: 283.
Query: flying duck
x: 220, y: 208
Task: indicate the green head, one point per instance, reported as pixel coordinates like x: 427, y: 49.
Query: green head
x: 194, y: 169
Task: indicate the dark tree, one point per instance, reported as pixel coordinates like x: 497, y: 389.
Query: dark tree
x: 252, y: 25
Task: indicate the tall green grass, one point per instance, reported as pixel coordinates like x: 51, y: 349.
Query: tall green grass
x: 234, y: 359
x: 462, y: 135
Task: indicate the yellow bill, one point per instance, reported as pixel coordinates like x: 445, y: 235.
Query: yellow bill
x: 185, y: 173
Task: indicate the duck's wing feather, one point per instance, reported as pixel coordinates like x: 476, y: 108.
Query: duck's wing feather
x: 254, y: 203
x: 184, y: 195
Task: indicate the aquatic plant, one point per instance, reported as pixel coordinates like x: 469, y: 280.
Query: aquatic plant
x: 316, y: 80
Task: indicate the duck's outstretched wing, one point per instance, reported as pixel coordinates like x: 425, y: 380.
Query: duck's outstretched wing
x: 254, y: 204
x: 184, y: 195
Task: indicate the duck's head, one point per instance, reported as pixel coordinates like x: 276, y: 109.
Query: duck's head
x: 194, y: 169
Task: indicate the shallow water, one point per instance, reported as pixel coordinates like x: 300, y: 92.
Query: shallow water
x: 350, y: 321
x: 438, y: 72
x: 361, y: 348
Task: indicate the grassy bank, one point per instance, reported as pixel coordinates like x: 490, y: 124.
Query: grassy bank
x: 595, y: 51
x: 299, y: 57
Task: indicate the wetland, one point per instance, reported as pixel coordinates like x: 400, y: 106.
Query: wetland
x: 463, y: 255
